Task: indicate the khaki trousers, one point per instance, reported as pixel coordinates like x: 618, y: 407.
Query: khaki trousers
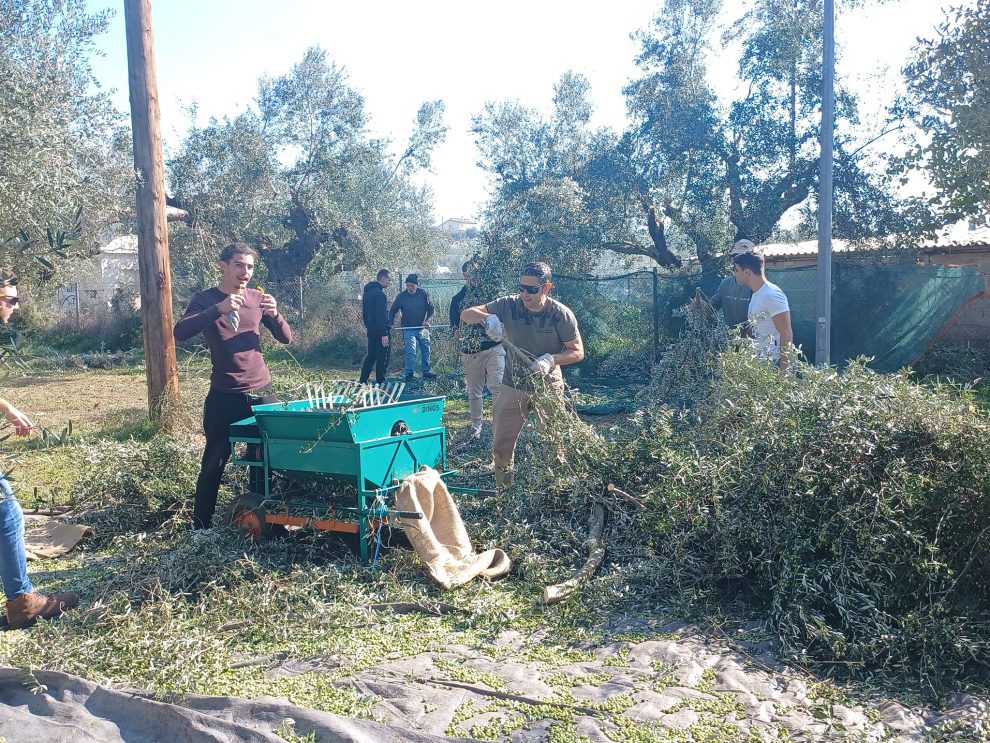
x: 483, y: 369
x: 511, y: 411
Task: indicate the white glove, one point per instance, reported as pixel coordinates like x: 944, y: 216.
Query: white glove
x: 494, y: 328
x: 542, y: 364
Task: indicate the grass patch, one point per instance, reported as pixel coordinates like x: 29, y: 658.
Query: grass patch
x: 47, y: 477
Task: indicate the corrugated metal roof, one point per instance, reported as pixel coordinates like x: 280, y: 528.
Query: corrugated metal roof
x: 805, y: 247
x: 952, y: 238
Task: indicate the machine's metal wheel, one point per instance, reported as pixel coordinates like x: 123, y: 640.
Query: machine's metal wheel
x: 248, y: 516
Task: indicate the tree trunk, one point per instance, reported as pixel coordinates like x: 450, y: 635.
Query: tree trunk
x: 285, y: 265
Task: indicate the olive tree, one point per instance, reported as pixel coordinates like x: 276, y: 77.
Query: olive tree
x: 298, y: 175
x: 949, y: 95
x: 65, y: 169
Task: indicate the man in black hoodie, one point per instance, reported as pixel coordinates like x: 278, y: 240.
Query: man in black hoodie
x: 374, y: 312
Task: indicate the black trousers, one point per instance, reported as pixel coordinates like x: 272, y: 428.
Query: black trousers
x: 220, y: 410
x: 378, y: 356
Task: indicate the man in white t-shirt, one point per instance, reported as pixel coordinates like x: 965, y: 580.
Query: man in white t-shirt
x: 769, y: 312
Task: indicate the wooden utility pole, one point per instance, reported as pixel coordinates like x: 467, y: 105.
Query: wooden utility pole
x: 156, y: 282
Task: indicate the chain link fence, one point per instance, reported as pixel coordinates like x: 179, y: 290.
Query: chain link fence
x: 890, y: 312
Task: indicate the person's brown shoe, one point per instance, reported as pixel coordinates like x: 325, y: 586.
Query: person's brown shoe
x: 28, y: 608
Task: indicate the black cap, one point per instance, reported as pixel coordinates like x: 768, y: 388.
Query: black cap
x: 412, y: 279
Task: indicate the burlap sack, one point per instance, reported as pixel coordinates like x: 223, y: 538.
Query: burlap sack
x: 440, y: 538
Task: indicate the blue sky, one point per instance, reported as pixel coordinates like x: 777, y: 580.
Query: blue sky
x: 399, y: 54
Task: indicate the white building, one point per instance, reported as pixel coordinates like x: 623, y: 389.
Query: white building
x: 114, y: 268
x: 460, y: 228
x: 462, y: 246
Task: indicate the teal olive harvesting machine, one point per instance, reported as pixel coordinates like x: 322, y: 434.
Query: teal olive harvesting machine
x: 338, y: 459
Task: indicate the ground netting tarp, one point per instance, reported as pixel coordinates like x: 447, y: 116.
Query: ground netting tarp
x: 73, y: 710
x: 523, y: 683
x: 889, y: 312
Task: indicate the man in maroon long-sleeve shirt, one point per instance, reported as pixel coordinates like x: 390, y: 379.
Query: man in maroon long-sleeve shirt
x: 230, y: 317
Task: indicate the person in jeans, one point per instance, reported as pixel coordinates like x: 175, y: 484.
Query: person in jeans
x: 24, y: 605
x: 482, y: 358
x: 230, y: 317
x: 417, y: 308
x: 374, y: 313
x: 548, y: 332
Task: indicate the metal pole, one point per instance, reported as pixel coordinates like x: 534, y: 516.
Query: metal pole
x: 302, y: 309
x: 656, y: 319
x: 76, y: 291
x: 823, y: 334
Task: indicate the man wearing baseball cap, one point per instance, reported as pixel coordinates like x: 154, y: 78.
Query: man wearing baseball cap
x: 730, y: 297
x: 416, y: 307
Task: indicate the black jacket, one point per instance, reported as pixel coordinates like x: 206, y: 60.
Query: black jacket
x: 374, y: 310
x: 415, y: 308
x: 473, y: 338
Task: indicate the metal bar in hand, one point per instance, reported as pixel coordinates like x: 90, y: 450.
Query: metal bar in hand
x: 421, y: 327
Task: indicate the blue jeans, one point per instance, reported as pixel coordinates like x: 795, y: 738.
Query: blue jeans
x: 13, y: 561
x: 412, y: 340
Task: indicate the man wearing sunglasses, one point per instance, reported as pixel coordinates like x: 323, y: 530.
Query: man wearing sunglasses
x: 24, y: 605
x: 547, y: 331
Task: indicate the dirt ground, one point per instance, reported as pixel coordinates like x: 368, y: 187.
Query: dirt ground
x: 96, y: 403
x: 92, y: 400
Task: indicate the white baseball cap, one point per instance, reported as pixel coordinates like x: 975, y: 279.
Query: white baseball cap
x: 742, y: 246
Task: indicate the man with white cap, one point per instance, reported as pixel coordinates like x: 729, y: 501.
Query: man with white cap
x: 730, y: 297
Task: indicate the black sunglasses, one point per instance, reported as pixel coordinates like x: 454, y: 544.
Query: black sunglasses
x: 11, y: 301
x: 530, y: 289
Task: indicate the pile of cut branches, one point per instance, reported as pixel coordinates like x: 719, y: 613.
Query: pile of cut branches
x: 854, y: 507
